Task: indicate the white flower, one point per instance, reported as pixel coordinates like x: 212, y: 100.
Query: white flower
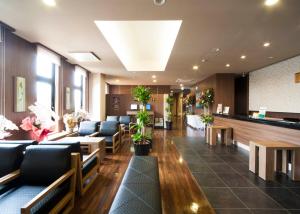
x: 44, y: 115
x: 6, y: 124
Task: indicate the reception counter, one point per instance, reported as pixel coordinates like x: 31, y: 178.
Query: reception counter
x: 246, y: 129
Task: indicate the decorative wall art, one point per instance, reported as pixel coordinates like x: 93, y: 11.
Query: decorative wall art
x: 19, y: 94
x: 68, y: 98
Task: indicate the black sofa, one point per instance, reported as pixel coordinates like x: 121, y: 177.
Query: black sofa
x: 45, y: 182
x: 24, y: 143
x: 139, y: 191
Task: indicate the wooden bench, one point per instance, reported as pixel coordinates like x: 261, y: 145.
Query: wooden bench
x: 269, y: 156
x: 226, y: 135
x: 139, y: 191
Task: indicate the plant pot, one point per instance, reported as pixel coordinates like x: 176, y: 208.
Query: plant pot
x: 169, y: 125
x: 141, y: 149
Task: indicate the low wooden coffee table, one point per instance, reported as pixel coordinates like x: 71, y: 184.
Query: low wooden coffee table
x: 89, y: 144
x: 264, y: 158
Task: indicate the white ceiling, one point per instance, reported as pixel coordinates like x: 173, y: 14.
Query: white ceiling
x: 235, y: 26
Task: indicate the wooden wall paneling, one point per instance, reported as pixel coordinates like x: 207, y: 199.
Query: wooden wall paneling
x: 244, y: 131
x: 127, y: 89
x: 241, y: 99
x: 224, y: 93
x: 2, y: 85
x: 20, y: 57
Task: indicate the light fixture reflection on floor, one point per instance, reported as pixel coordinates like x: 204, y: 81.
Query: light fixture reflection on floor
x: 194, y: 207
x: 180, y: 160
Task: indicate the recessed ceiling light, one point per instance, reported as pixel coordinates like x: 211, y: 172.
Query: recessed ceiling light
x: 243, y: 57
x: 117, y: 80
x: 217, y: 49
x: 85, y: 56
x: 267, y: 44
x: 154, y: 80
x: 271, y: 57
x: 227, y: 65
x: 143, y: 45
x: 182, y: 88
x: 50, y: 3
x: 270, y: 3
x: 203, y: 60
x: 195, y: 67
x: 153, y: 76
x: 181, y: 85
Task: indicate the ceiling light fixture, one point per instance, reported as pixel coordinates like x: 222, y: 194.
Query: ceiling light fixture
x: 50, y: 3
x: 85, y: 56
x: 117, y: 80
x: 196, y: 87
x: 195, y: 67
x: 203, y: 60
x: 127, y: 39
x: 159, y: 2
x: 154, y: 80
x: 267, y: 44
x: 243, y: 57
x: 270, y: 57
x: 153, y: 76
x: 181, y: 85
x: 182, y: 88
x: 227, y: 65
x: 271, y: 3
x: 217, y: 49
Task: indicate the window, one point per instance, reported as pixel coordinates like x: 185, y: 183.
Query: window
x: 47, y: 65
x: 79, y: 88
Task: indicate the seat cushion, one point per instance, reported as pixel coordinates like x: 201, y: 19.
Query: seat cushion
x: 109, y: 140
x: 25, y: 143
x: 88, y: 127
x: 11, y: 156
x: 89, y: 165
x: 43, y: 164
x: 112, y: 118
x: 124, y: 120
x: 15, y: 198
x: 109, y: 128
x: 75, y: 146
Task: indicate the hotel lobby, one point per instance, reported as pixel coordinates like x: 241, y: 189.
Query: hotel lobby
x: 150, y: 106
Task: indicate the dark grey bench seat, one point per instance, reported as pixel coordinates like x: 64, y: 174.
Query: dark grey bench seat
x: 139, y: 191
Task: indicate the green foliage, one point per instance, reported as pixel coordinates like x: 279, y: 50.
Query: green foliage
x: 207, y: 97
x: 207, y: 118
x: 170, y: 101
x: 143, y: 118
x: 141, y: 94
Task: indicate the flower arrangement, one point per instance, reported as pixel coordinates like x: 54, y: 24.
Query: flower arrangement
x: 40, y: 123
x: 71, y: 120
x: 5, y: 125
x: 207, y: 119
x: 207, y: 97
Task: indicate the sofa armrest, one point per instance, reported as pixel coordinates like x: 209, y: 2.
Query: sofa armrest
x: 90, y: 156
x: 95, y: 134
x: 11, y: 176
x: 115, y: 136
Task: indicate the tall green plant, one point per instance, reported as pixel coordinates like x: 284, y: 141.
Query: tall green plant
x: 142, y: 95
x: 170, y: 101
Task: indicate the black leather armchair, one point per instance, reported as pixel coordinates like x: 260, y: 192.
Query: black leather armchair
x: 11, y: 156
x: 45, y: 182
x: 110, y: 130
x: 24, y: 143
x: 88, y: 166
x: 88, y: 128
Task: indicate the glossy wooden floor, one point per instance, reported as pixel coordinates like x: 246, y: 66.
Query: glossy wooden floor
x: 180, y: 193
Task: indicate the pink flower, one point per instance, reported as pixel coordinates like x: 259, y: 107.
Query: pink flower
x: 26, y: 124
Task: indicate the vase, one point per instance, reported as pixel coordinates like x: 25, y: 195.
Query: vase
x: 69, y: 129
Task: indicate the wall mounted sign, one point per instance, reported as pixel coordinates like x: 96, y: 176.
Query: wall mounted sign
x: 116, y: 103
x: 19, y: 94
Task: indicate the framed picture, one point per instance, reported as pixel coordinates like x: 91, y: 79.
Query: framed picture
x: 68, y: 98
x: 226, y: 110
x: 219, y: 109
x: 20, y: 94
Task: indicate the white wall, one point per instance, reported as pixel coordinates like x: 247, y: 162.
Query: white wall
x: 274, y: 87
x: 97, y: 96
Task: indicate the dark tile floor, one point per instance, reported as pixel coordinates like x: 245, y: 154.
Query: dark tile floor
x: 222, y: 173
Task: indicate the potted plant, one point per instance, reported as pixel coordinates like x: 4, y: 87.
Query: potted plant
x: 170, y: 101
x: 141, y: 139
